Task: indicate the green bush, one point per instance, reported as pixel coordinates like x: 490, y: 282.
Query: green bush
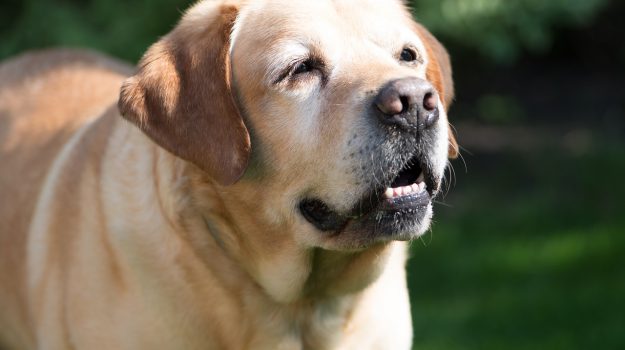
x: 122, y: 28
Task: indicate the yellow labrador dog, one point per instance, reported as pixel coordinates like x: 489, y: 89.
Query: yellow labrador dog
x: 272, y: 160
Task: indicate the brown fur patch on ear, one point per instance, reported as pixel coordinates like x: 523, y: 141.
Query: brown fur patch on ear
x: 181, y: 96
x: 454, y: 149
x: 439, y: 73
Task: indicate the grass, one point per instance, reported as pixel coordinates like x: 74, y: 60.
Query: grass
x: 528, y: 257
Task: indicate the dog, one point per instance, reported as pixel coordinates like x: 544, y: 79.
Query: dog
x: 252, y: 186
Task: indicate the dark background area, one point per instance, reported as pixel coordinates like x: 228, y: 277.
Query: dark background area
x: 526, y: 251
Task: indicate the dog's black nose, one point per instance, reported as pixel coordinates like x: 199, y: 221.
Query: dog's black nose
x: 408, y: 103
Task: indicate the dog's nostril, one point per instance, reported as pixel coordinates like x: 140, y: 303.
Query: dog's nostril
x: 390, y: 104
x: 405, y: 103
x: 429, y: 102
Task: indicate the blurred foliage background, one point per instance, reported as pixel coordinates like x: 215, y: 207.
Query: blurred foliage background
x: 527, y: 248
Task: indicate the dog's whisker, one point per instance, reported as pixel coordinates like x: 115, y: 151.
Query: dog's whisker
x: 443, y: 204
x: 452, y: 178
x: 466, y: 168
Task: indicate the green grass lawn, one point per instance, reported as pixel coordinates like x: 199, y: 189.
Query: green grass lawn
x: 527, y: 253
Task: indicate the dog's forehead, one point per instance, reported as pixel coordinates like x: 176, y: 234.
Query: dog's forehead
x: 324, y: 22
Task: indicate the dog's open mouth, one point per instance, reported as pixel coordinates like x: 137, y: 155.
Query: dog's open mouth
x: 405, y: 198
x: 409, y: 189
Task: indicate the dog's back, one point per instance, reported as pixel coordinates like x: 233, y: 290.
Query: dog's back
x: 44, y: 97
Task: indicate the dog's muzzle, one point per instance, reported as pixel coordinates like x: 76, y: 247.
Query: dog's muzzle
x: 403, y: 179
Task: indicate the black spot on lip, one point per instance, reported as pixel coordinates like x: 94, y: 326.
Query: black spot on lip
x: 322, y: 217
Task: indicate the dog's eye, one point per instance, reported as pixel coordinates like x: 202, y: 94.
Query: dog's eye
x: 303, y: 70
x: 409, y: 55
x: 303, y: 67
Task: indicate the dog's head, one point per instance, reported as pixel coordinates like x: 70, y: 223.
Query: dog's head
x: 327, y: 118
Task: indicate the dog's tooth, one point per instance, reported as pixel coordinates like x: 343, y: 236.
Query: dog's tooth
x: 422, y: 187
x: 407, y: 189
x: 415, y: 187
x: 398, y: 192
x: 389, y: 193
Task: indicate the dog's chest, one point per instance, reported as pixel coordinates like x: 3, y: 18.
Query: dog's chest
x: 318, y: 325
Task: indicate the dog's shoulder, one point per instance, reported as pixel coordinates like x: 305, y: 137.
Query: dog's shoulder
x: 45, y: 96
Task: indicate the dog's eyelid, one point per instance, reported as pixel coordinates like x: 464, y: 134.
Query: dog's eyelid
x: 304, y: 65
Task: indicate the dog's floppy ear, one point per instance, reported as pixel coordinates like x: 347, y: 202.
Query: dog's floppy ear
x: 439, y: 73
x: 181, y: 96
